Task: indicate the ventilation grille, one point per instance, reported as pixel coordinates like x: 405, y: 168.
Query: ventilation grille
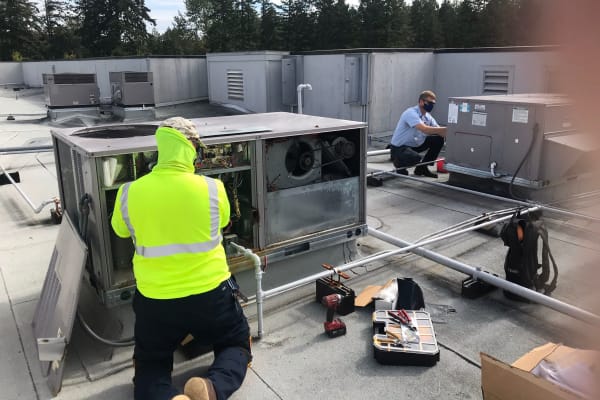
x: 235, y: 85
x: 136, y: 77
x: 70, y: 79
x: 496, y: 82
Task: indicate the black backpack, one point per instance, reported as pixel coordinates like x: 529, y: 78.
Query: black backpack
x: 521, y: 264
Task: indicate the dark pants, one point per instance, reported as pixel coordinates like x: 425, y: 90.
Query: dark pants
x: 213, y: 318
x: 405, y: 156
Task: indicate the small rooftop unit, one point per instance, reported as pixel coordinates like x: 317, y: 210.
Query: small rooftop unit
x: 70, y: 90
x: 132, y: 89
x: 527, y: 139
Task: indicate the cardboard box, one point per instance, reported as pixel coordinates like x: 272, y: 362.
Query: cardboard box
x: 500, y: 381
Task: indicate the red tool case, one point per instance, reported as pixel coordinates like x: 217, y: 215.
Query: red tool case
x: 404, y: 344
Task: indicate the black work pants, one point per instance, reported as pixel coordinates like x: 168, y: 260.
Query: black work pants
x: 406, y: 156
x: 212, y: 318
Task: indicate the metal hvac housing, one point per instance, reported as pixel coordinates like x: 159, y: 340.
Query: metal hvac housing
x: 132, y: 89
x: 530, y: 140
x: 296, y: 184
x: 70, y: 90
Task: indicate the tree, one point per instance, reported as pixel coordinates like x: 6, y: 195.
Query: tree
x: 424, y: 24
x: 179, y: 39
x: 449, y: 24
x: 113, y: 27
x: 270, y: 27
x: 60, y: 28
x: 298, y: 24
x: 19, y: 30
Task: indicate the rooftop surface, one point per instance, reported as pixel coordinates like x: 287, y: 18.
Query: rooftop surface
x: 295, y: 359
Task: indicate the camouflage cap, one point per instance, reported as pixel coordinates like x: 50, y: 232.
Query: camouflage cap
x: 183, y: 125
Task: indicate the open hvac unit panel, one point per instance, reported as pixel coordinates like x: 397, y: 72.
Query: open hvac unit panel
x: 291, y: 192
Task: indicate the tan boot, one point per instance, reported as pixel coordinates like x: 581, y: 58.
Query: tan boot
x: 200, y: 389
x: 181, y: 397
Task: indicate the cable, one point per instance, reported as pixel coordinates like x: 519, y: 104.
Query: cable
x: 536, y: 129
x: 84, y: 211
x: 461, y: 355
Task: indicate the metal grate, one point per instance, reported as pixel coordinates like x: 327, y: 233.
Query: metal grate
x: 136, y: 77
x: 70, y: 79
x: 235, y: 85
x: 496, y: 82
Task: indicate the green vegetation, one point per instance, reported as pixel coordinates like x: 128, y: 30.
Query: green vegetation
x: 97, y: 28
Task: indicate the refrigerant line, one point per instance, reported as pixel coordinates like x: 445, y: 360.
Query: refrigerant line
x: 24, y: 195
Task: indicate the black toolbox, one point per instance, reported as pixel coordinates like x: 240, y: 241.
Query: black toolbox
x: 396, y: 343
x: 327, y: 286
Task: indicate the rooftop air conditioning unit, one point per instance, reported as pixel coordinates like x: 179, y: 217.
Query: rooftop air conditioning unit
x: 132, y: 89
x: 70, y: 90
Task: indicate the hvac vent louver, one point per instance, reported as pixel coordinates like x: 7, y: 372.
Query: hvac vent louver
x: 496, y: 82
x: 235, y: 85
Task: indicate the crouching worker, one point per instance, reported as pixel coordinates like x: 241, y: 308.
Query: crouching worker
x: 417, y: 131
x: 184, y: 286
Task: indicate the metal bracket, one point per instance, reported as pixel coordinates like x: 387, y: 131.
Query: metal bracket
x: 51, y: 349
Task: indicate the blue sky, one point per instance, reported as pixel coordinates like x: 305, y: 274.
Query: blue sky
x: 163, y: 11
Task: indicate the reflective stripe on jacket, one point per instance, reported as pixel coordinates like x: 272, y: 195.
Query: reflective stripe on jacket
x: 174, y: 218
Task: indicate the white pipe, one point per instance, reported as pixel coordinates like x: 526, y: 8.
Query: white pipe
x: 299, y: 89
x: 262, y: 295
x: 259, y: 292
x: 22, y: 193
x: 479, y: 274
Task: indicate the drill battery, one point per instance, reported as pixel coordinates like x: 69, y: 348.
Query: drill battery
x: 327, y: 286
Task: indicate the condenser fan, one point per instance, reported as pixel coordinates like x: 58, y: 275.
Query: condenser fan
x: 299, y: 158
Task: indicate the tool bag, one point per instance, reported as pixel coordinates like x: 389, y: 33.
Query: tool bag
x: 327, y: 286
x: 522, y: 265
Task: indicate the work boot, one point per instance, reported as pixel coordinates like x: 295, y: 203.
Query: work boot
x: 422, y: 170
x: 402, y: 171
x: 200, y: 389
x: 181, y: 397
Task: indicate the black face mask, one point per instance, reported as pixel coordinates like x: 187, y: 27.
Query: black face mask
x: 428, y: 106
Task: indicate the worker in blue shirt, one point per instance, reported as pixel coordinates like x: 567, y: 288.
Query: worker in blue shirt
x: 417, y: 131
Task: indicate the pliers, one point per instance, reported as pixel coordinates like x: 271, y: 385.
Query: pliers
x: 402, y: 317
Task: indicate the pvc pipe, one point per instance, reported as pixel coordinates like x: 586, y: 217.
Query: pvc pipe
x: 33, y: 207
x: 259, y: 292
x: 261, y: 295
x: 479, y: 274
x: 491, y: 196
x: 25, y: 149
x: 299, y: 90
x: 378, y: 152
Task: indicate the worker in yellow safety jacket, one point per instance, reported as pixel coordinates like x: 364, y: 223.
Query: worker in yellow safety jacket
x: 174, y: 218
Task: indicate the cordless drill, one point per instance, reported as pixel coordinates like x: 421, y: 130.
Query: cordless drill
x: 333, y: 327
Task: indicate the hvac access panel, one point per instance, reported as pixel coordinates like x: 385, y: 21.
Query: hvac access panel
x: 295, y: 184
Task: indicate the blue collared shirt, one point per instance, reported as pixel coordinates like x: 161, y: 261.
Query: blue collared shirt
x: 406, y: 134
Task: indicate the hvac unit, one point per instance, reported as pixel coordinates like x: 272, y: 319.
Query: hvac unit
x: 296, y: 184
x: 527, y: 139
x: 132, y: 88
x: 70, y: 90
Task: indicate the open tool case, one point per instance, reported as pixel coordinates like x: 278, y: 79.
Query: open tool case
x: 396, y: 343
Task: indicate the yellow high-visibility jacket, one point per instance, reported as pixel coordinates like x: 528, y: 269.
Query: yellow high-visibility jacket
x: 174, y: 218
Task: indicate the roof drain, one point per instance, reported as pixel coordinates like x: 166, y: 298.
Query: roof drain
x: 299, y: 89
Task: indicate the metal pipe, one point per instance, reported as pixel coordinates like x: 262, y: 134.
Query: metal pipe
x: 262, y: 295
x: 378, y: 152
x: 491, y: 196
x: 259, y: 292
x: 299, y: 89
x: 25, y: 149
x: 33, y: 207
x: 479, y: 274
